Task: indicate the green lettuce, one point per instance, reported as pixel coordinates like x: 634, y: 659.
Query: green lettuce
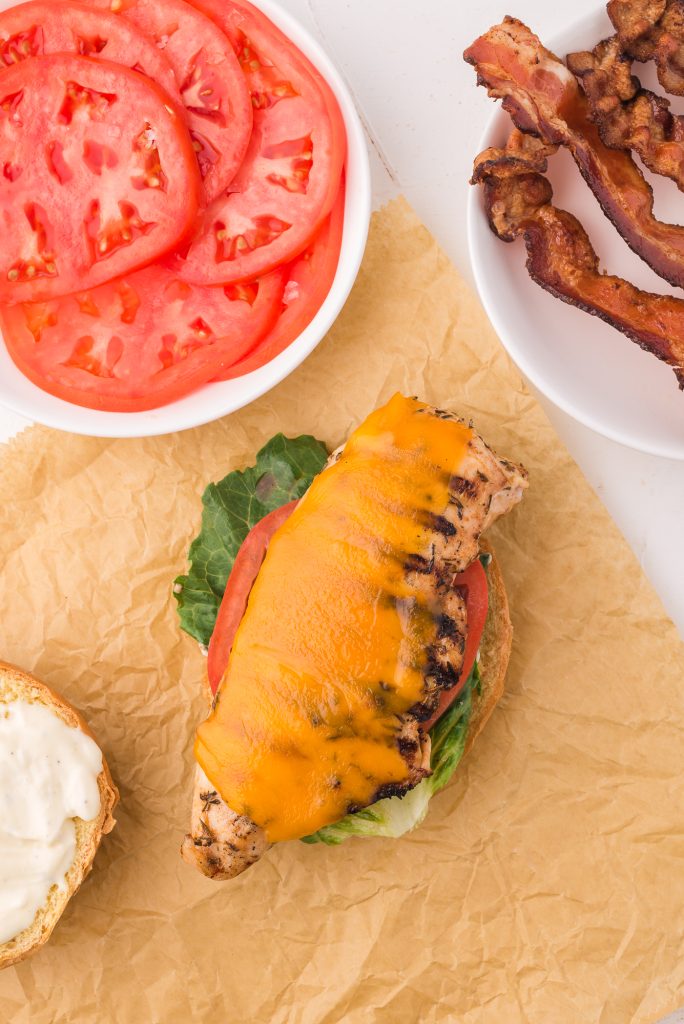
x: 284, y: 470
x: 397, y: 815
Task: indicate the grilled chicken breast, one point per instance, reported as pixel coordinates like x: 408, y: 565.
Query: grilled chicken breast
x: 352, y: 631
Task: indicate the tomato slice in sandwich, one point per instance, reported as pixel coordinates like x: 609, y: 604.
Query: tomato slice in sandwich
x: 249, y: 558
x: 245, y: 568
x: 474, y: 582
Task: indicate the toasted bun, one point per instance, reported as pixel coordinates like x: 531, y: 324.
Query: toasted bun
x: 18, y: 685
x: 495, y: 650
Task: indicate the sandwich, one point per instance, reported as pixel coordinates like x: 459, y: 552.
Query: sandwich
x: 56, y: 803
x: 361, y: 641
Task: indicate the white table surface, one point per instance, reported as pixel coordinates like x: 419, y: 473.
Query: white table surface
x: 424, y: 117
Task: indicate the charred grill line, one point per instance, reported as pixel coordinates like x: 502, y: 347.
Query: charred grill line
x: 424, y: 710
x: 420, y: 564
x: 443, y: 674
x: 408, y: 746
x: 388, y: 790
x: 441, y: 525
x: 447, y: 628
x: 466, y: 488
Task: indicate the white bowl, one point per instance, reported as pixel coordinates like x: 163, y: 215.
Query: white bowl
x: 215, y: 400
x: 585, y: 367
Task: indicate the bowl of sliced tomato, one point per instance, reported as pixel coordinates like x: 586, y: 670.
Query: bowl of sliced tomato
x: 186, y: 199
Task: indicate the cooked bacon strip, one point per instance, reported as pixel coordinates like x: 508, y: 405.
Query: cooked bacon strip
x: 627, y: 116
x: 635, y: 21
x: 543, y: 98
x: 560, y: 257
x: 653, y: 30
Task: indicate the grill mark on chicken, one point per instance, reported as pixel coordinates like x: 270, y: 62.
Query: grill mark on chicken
x: 223, y: 844
x: 407, y: 747
x: 440, y: 524
x: 388, y: 790
x: 447, y: 628
x: 419, y: 563
x: 477, y: 497
x: 458, y: 485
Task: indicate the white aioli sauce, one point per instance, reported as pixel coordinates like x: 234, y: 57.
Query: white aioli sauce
x: 48, y: 777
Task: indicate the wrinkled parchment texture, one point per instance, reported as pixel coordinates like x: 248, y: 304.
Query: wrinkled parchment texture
x: 546, y: 885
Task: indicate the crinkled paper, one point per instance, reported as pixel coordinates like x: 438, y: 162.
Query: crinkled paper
x: 547, y: 884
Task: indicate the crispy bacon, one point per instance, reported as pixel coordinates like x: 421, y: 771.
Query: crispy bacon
x: 560, y: 256
x: 543, y: 98
x: 653, y: 30
x: 627, y: 116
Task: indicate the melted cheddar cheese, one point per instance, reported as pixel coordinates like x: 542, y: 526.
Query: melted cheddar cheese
x: 332, y: 647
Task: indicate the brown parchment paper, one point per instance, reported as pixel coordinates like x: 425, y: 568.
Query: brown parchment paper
x: 547, y: 884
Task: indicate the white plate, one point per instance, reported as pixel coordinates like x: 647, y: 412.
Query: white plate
x: 588, y: 369
x: 216, y: 400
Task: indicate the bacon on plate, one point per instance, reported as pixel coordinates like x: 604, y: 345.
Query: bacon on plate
x: 560, y: 256
x: 653, y: 30
x: 543, y: 98
x: 627, y: 116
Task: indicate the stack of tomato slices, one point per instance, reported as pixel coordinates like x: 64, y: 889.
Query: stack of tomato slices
x: 172, y: 191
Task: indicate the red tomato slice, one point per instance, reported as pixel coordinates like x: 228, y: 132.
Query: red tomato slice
x: 474, y: 582
x: 140, y: 341
x: 309, y: 280
x: 98, y: 175
x: 212, y: 86
x: 40, y: 27
x: 245, y: 568
x: 290, y: 177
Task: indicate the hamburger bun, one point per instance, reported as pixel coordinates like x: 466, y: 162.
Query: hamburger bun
x: 16, y: 685
x: 495, y: 650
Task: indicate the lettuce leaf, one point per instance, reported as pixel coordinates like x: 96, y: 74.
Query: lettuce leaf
x: 397, y: 815
x: 284, y: 470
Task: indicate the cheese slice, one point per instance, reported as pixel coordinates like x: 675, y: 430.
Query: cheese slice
x: 334, y: 643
